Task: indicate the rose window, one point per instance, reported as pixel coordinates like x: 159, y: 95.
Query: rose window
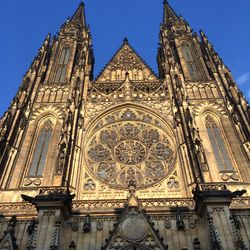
x: 130, y: 150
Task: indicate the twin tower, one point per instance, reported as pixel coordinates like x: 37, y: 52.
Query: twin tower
x: 131, y: 160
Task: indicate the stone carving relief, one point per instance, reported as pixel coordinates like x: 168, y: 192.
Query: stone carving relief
x: 39, y: 109
x: 103, y: 95
x: 54, y: 87
x: 202, y: 90
x: 75, y: 225
x: 199, y: 106
x: 94, y: 109
x: 89, y: 185
x: 32, y: 181
x: 129, y: 145
x: 173, y: 183
x: 126, y: 60
x: 120, y: 92
x: 134, y: 231
x: 167, y: 223
x: 87, y: 224
x: 99, y: 225
x: 230, y: 176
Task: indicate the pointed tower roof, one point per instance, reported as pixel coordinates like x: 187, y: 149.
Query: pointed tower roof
x: 169, y: 13
x: 79, y: 15
x: 126, y: 59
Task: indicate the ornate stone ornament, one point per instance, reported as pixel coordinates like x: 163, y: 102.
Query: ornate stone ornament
x: 134, y: 228
x: 130, y: 145
x: 89, y: 185
x: 125, y: 60
x: 30, y: 181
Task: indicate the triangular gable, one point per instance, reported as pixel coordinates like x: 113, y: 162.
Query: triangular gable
x: 8, y: 242
x: 126, y: 60
x: 134, y: 230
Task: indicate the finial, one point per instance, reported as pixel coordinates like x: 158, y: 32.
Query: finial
x: 125, y: 40
x: 202, y: 33
x: 165, y: 2
x: 132, y: 200
x: 82, y: 4
x: 131, y: 186
x: 48, y: 36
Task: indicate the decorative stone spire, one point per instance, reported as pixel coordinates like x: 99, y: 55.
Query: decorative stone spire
x: 169, y: 14
x: 79, y: 15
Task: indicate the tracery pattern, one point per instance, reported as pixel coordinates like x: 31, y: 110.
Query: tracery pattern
x: 41, y: 151
x: 221, y: 153
x: 129, y: 146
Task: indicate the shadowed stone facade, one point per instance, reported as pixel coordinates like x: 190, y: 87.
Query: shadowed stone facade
x: 131, y: 159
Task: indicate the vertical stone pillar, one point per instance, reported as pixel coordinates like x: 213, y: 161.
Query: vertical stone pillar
x: 53, y: 206
x: 212, y: 203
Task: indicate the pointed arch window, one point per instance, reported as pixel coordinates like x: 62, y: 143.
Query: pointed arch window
x: 61, y: 70
x: 220, y: 149
x: 190, y: 62
x: 41, y: 150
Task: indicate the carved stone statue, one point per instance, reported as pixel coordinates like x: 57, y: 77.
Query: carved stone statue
x: 87, y: 224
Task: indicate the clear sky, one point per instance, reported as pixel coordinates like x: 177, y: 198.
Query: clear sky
x: 24, y: 25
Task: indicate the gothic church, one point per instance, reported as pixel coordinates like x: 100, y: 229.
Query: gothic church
x: 130, y: 160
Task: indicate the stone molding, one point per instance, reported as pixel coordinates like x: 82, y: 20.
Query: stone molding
x: 27, y: 209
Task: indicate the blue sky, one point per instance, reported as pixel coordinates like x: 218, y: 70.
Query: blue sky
x: 24, y: 25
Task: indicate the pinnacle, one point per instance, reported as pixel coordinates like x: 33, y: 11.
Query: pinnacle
x: 82, y: 4
x: 48, y: 36
x: 169, y: 13
x: 79, y: 15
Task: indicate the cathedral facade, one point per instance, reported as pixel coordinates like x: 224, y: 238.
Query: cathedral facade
x: 131, y: 159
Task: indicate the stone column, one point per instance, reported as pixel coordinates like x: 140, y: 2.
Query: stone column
x: 53, y: 207
x: 212, y: 203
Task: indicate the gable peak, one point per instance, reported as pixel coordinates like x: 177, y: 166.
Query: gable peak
x: 134, y: 230
x: 126, y: 60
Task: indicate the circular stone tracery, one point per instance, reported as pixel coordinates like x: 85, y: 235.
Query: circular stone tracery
x: 130, y: 152
x: 129, y: 148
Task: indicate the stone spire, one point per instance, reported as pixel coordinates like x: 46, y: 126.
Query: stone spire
x: 79, y: 15
x: 169, y: 14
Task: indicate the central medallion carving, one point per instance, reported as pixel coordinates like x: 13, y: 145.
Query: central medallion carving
x: 130, y: 152
x: 129, y: 145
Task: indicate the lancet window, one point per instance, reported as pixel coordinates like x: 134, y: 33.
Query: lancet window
x: 61, y: 70
x: 41, y: 150
x: 190, y: 62
x: 220, y: 149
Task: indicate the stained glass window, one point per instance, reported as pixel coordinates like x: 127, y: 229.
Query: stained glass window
x: 61, y: 71
x: 191, y: 66
x: 41, y: 150
x: 221, y: 153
